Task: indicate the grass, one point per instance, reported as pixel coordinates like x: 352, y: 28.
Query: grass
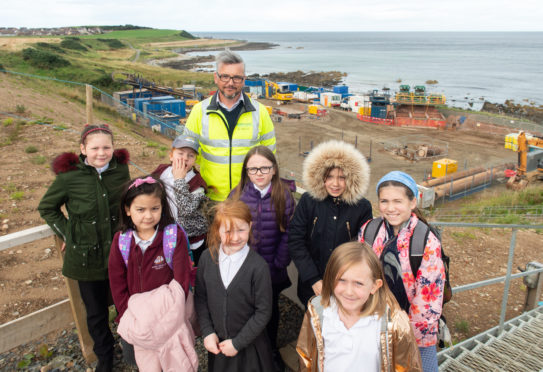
x: 11, y: 131
x: 17, y: 195
x: 460, y: 236
x: 503, y: 207
x: 39, y: 160
x: 462, y: 326
x: 104, y: 54
x: 152, y: 144
x: 31, y: 149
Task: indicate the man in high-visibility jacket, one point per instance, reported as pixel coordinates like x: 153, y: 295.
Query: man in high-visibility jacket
x: 227, y: 125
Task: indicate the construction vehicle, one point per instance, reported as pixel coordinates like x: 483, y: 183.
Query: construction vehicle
x: 530, y: 162
x: 280, y: 93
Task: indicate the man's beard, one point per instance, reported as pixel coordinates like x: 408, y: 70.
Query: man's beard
x: 230, y: 96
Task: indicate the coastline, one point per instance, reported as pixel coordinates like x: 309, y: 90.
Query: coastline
x: 183, y: 61
x: 326, y: 79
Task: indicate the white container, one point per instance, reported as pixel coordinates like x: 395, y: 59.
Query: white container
x: 427, y: 197
x: 329, y: 99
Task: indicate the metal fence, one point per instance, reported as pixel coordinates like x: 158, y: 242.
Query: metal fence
x: 537, y: 268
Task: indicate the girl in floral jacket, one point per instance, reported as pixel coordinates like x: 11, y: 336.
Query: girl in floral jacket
x: 421, y: 295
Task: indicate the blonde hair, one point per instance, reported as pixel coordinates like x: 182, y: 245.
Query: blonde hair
x: 344, y: 257
x: 225, y: 213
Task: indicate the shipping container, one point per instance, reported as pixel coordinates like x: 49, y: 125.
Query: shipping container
x: 442, y: 167
x: 329, y: 99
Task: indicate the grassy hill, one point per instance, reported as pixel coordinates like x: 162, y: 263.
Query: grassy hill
x: 93, y: 58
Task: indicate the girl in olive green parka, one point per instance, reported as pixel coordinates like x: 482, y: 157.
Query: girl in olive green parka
x: 89, y: 186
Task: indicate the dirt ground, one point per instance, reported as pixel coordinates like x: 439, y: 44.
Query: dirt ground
x: 30, y: 275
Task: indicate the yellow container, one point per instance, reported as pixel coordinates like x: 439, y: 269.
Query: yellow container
x: 191, y: 102
x: 366, y: 111
x: 442, y: 167
x: 511, y: 141
x: 313, y: 109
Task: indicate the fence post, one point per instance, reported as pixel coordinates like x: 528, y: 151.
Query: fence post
x: 507, y: 279
x: 90, y: 119
x: 534, y: 285
x: 78, y: 311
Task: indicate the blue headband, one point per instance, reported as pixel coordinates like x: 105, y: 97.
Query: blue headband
x: 402, y: 178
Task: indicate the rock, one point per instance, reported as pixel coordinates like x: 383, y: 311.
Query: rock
x: 5, y: 221
x: 47, y: 250
x: 19, y: 251
x: 28, y: 282
x: 11, y: 252
x: 5, y: 227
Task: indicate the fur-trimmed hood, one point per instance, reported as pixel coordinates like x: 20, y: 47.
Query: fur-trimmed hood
x: 341, y: 155
x: 68, y: 161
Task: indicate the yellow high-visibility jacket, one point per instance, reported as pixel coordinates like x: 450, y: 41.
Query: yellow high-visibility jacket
x: 221, y: 157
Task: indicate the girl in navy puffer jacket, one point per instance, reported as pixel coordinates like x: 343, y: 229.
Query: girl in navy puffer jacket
x: 272, y: 205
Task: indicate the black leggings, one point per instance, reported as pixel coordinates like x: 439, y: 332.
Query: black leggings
x: 95, y: 296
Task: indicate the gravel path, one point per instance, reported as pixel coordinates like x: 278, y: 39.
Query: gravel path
x: 60, y: 351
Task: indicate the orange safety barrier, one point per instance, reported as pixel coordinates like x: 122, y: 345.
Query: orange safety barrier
x: 371, y: 119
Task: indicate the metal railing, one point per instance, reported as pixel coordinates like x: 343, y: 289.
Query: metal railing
x: 509, y: 276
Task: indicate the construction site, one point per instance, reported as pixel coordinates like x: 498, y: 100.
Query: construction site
x: 449, y: 162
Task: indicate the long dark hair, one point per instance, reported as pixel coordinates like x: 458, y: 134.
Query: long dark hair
x: 409, y: 195
x: 279, y: 191
x: 131, y: 191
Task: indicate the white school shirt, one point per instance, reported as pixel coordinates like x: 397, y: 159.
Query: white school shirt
x: 99, y: 170
x: 229, y: 265
x: 354, y: 349
x: 263, y: 191
x: 144, y: 244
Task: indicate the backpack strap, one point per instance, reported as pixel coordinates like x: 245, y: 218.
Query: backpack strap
x: 125, y: 241
x: 169, y: 241
x: 372, y: 228
x: 417, y: 244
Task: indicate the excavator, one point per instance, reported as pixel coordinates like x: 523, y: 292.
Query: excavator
x: 530, y: 163
x: 273, y: 91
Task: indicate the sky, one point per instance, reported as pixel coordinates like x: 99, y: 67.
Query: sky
x: 281, y: 15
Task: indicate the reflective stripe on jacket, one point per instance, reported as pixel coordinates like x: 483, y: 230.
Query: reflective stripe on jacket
x: 221, y: 157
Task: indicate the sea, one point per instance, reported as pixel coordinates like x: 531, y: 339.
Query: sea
x: 469, y: 67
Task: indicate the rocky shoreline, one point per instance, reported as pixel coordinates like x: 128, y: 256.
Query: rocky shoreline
x: 325, y: 79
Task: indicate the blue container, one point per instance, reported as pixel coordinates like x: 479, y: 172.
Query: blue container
x: 379, y: 111
x: 254, y: 83
x: 138, y: 102
x: 341, y: 89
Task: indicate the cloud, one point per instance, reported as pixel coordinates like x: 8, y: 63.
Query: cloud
x: 281, y: 15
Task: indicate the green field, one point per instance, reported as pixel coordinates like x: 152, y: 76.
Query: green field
x: 93, y: 59
x: 147, y: 35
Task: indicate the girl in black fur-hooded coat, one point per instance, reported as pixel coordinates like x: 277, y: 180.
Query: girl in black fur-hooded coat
x: 331, y: 212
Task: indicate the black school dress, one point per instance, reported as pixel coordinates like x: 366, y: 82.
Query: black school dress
x: 240, y: 312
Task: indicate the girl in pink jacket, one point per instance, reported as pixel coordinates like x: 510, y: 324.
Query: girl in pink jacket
x: 420, y: 295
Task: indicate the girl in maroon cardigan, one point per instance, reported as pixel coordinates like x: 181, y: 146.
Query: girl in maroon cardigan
x: 271, y: 203
x: 145, y: 214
